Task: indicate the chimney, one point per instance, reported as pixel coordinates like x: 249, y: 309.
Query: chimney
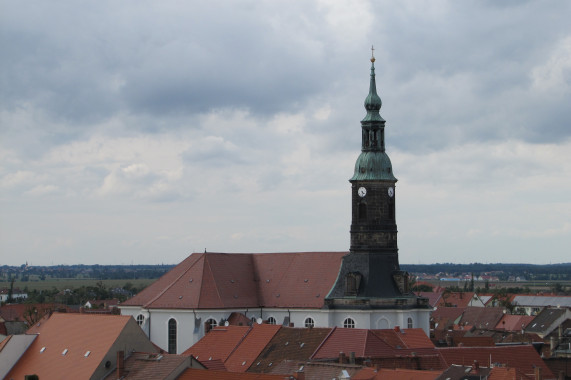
x: 476, y: 366
x: 300, y: 375
x: 538, y: 373
x: 341, y: 357
x: 397, y: 328
x: 352, y: 357
x: 120, y: 364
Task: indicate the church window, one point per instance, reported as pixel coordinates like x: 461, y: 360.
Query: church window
x: 272, y: 321
x: 391, y: 210
x: 172, y: 336
x: 409, y: 323
x: 309, y: 322
x: 362, y: 211
x: 352, y: 282
x: 140, y: 319
x: 349, y: 323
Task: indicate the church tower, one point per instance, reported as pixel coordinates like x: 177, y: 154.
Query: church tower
x: 370, y: 275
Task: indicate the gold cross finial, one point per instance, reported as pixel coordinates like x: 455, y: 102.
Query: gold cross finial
x: 372, y: 53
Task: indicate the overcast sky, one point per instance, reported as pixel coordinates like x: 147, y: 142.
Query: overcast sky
x: 141, y: 131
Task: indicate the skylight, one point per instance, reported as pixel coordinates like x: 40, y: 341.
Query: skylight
x: 64, y: 352
x: 87, y: 353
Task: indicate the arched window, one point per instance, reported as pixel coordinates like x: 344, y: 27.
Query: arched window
x: 140, y: 319
x: 349, y: 323
x: 362, y: 211
x: 172, y: 336
x: 271, y: 321
x: 309, y: 322
x: 210, y: 324
x: 409, y: 323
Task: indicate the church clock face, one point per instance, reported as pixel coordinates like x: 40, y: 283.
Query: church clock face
x: 362, y: 192
x: 391, y: 192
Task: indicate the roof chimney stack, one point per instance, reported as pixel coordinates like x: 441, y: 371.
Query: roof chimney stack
x: 341, y: 357
x: 120, y: 364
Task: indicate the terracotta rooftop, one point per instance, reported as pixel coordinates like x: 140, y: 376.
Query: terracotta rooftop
x: 237, y: 280
x: 143, y: 366
x: 401, y: 374
x: 514, y: 322
x: 218, y: 343
x: 316, y: 370
x: 202, y: 374
x: 364, y: 343
x: 524, y: 358
x: 405, y: 338
x: 251, y: 346
x: 482, y: 317
x: 289, y: 343
x: 74, y: 344
x: 456, y: 299
x: 433, y: 297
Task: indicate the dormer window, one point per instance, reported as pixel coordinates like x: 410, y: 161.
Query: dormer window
x: 352, y: 283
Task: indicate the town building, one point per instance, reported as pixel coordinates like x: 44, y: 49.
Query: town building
x: 363, y: 288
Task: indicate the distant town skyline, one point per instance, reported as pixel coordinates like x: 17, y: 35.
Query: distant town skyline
x: 141, y: 132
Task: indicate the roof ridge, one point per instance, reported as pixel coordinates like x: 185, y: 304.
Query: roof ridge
x: 250, y: 329
x: 173, y: 282
x: 322, y: 342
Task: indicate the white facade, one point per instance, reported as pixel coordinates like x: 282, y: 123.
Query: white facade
x: 191, y: 323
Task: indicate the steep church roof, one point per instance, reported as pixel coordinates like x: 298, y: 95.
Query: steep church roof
x: 238, y: 280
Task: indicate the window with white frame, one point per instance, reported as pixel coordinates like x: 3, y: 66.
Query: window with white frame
x: 409, y: 324
x: 172, y: 335
x: 140, y: 319
x: 309, y: 322
x: 349, y: 323
x: 272, y: 321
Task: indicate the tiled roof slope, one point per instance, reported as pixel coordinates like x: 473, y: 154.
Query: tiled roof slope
x: 222, y: 280
x: 78, y: 334
x: 250, y: 347
x: 547, y: 320
x: 143, y: 366
x: 511, y: 322
x: 218, y: 344
x: 401, y: 374
x: 202, y: 374
x: 524, y: 358
x: 433, y: 297
x: 316, y: 370
x: 364, y: 343
x: 405, y: 338
x: 456, y: 299
x: 289, y: 343
x: 482, y: 317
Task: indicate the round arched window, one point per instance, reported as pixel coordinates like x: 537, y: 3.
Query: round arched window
x: 140, y: 319
x: 271, y: 321
x: 349, y: 323
x: 309, y: 322
x: 409, y: 323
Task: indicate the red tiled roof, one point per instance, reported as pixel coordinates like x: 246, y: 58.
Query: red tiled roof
x: 482, y: 317
x: 405, y: 374
x: 76, y: 333
x: 449, y: 314
x: 250, y: 347
x: 404, y: 338
x: 433, y: 297
x: 523, y: 357
x: 289, y: 343
x: 364, y: 343
x: 456, y: 299
x: 143, y: 366
x: 222, y: 280
x: 514, y: 322
x: 202, y: 374
x: 218, y: 344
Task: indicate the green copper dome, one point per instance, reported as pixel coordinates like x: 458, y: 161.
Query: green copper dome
x: 373, y: 165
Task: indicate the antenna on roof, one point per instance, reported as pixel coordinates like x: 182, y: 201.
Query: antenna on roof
x: 204, y: 250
